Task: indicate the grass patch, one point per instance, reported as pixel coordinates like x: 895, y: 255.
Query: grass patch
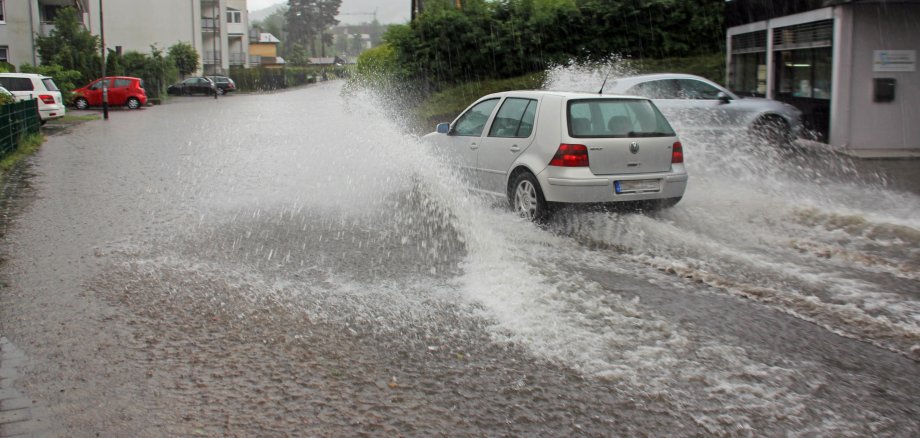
x: 27, y: 146
x: 443, y: 106
x: 69, y: 118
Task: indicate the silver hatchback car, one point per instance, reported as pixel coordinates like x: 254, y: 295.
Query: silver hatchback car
x: 539, y: 148
x: 694, y: 103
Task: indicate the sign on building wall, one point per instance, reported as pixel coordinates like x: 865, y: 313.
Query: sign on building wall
x: 894, y: 60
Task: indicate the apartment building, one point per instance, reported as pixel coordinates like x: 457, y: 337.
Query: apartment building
x: 217, y: 29
x: 21, y: 21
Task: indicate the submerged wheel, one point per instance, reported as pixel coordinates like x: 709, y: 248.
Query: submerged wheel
x: 526, y: 197
x: 772, y: 130
x: 133, y: 103
x: 81, y: 103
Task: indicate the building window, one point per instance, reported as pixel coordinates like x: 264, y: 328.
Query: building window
x: 804, y: 73
x: 49, y: 13
x: 748, y: 70
x: 2, y: 15
x: 4, y: 54
x: 234, y: 16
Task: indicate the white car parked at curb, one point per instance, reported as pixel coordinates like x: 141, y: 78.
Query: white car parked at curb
x: 25, y: 86
x: 541, y: 148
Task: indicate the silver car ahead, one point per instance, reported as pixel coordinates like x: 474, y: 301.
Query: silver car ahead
x: 539, y: 148
x: 693, y: 103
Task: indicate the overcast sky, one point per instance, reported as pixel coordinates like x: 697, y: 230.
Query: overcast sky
x: 388, y: 11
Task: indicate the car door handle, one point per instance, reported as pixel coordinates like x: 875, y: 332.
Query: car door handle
x: 474, y: 146
x: 515, y: 148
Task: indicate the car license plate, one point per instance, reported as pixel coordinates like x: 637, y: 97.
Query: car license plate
x: 637, y: 186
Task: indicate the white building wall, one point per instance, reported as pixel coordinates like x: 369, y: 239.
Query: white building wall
x: 891, y: 125
x: 136, y: 25
x: 17, y: 29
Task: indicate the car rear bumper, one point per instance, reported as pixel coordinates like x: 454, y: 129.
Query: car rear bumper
x: 49, y: 112
x: 579, y: 185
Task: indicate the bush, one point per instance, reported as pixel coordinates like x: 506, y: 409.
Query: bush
x: 66, y: 80
x: 268, y: 79
x: 6, y: 99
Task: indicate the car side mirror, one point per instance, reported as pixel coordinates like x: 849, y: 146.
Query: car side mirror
x: 723, y: 97
x: 443, y: 128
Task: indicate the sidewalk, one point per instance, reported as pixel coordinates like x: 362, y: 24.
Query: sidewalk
x: 16, y: 413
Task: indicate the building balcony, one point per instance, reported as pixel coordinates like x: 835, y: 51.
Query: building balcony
x: 210, y: 24
x: 237, y: 58
x: 209, y: 57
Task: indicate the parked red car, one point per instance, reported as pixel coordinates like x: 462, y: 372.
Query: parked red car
x: 123, y: 90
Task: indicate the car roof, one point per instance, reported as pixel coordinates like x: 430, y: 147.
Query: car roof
x: 632, y: 80
x: 25, y: 75
x: 563, y: 94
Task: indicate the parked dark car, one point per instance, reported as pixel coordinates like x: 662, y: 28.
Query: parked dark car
x: 193, y: 85
x: 123, y: 90
x: 224, y: 84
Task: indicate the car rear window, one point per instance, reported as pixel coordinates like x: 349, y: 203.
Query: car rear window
x: 49, y: 84
x: 614, y: 118
x: 16, y: 84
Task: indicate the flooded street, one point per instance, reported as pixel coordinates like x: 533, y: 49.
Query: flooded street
x: 292, y: 264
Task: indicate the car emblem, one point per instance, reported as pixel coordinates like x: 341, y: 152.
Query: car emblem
x: 634, y: 147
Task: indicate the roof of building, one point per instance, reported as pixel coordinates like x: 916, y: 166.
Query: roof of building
x: 266, y: 37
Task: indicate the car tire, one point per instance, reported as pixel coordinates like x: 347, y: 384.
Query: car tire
x: 133, y: 103
x: 526, y: 198
x: 219, y: 91
x: 80, y: 103
x: 771, y: 130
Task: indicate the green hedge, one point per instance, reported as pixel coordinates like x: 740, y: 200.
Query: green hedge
x: 267, y: 79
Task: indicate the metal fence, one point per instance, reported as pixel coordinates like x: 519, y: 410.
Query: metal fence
x: 16, y: 121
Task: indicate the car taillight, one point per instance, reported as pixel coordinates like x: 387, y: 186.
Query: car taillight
x: 677, y: 153
x: 46, y: 98
x: 570, y: 155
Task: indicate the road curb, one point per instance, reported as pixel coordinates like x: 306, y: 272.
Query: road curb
x: 16, y: 412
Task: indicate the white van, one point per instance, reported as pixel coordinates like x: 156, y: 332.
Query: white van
x: 26, y: 86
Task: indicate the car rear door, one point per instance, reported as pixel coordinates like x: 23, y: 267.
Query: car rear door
x: 510, y: 134
x: 118, y: 94
x: 623, y: 136
x: 21, y: 88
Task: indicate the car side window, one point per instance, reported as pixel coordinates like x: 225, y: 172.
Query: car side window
x: 661, y: 89
x: 514, y: 119
x: 472, y: 122
x: 96, y: 85
x: 693, y: 89
x: 17, y: 84
x: 122, y: 83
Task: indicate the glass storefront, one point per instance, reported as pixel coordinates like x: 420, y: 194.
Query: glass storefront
x: 748, y: 69
x: 804, y: 73
x: 749, y: 74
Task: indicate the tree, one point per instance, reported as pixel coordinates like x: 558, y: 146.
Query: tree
x: 71, y: 46
x: 184, y: 56
x: 308, y: 19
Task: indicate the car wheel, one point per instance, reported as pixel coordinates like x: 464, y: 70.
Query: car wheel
x: 526, y: 198
x: 219, y: 91
x: 81, y: 103
x: 772, y: 130
x: 133, y: 103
